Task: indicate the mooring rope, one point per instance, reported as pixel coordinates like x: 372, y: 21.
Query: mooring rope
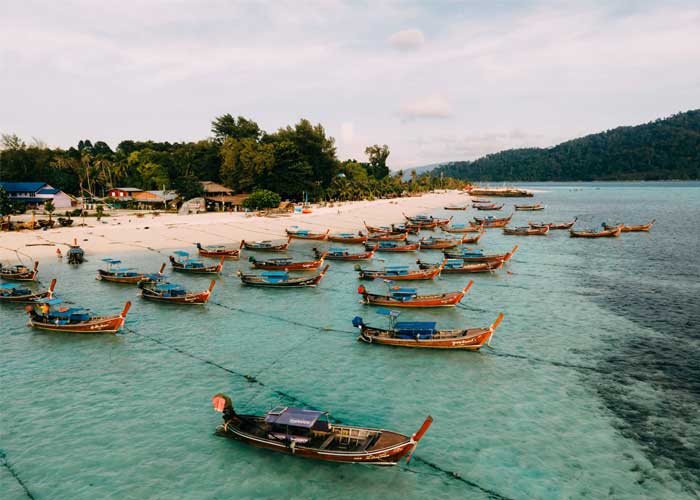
x: 13, y: 473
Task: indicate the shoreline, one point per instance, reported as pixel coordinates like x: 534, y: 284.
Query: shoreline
x: 126, y: 232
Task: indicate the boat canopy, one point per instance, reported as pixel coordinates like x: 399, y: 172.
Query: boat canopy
x: 346, y: 235
x: 297, y: 417
x: 163, y: 287
x: 275, y: 274
x: 155, y: 277
x: 51, y: 302
x: 280, y: 261
x: 181, y: 253
x: 112, y: 261
x: 337, y: 250
x: 396, y: 268
x: 8, y: 286
x: 387, y: 244
x: 399, y: 291
x: 388, y: 312
x: 416, y: 327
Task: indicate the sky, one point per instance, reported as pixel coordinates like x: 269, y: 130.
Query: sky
x: 435, y: 80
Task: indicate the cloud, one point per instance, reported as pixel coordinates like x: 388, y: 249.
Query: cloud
x: 432, y: 106
x: 411, y: 39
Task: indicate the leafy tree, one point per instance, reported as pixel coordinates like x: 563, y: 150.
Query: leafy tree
x: 5, y: 204
x: 377, y: 156
x: 188, y: 187
x: 262, y: 198
x: 49, y: 208
x: 237, y: 128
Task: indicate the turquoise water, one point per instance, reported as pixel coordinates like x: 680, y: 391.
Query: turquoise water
x: 590, y: 390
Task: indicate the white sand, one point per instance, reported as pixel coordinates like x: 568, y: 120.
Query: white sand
x: 125, y: 232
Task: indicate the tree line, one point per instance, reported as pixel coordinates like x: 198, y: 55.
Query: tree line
x: 296, y: 161
x: 663, y: 149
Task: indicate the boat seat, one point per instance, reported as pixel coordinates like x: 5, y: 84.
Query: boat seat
x: 327, y: 442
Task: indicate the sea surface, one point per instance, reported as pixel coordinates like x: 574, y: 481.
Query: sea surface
x: 591, y: 388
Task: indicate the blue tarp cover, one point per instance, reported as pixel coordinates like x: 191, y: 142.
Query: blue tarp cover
x: 275, y: 274
x: 181, y: 253
x: 337, y: 250
x: 9, y: 285
x: 167, y: 286
x: 297, y: 417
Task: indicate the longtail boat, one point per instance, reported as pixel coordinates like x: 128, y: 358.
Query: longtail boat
x: 444, y: 243
x: 287, y: 264
x: 280, y: 279
x: 309, y: 434
x: 120, y: 274
x: 408, y: 297
x: 462, y: 228
x: 378, y: 229
x: 481, y: 200
x: 347, y: 238
x: 398, y: 273
x: 186, y: 265
x: 490, y: 206
x: 455, y: 207
x: 11, y: 292
x: 526, y: 231
x: 335, y: 253
x: 405, y: 228
x: 459, y: 266
x: 388, y: 236
x: 427, y: 221
x: 551, y: 225
x: 72, y: 320
x: 594, y: 233
x: 529, y: 208
x: 19, y: 272
x: 393, y: 246
x: 477, y: 255
x: 265, y: 246
x: 424, y: 334
x: 305, y: 234
x: 492, y: 221
x: 174, y: 294
x: 509, y: 192
x: 630, y: 229
x: 75, y: 254
x: 217, y: 251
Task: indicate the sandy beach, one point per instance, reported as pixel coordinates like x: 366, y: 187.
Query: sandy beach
x: 124, y: 232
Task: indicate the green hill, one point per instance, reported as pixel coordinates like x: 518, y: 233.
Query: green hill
x: 667, y: 148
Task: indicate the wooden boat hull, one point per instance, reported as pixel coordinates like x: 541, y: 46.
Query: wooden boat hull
x: 341, y: 239
x: 491, y: 223
x: 532, y: 231
x: 309, y: 236
x: 390, y: 455
x: 272, y: 248
x: 293, y: 266
x: 103, y: 275
x: 483, y: 267
x: 354, y: 256
x: 447, y: 299
x: 255, y: 280
x: 98, y: 324
x: 181, y: 268
x: 528, y: 208
x: 483, y: 208
x: 11, y: 274
x: 483, y: 258
x: 454, y: 208
x: 467, y: 229
x: 233, y: 254
x: 565, y: 225
x: 632, y: 229
x: 606, y: 233
x: 388, y: 237
x: 427, y: 274
x: 471, y: 341
x: 190, y: 298
x: 24, y: 299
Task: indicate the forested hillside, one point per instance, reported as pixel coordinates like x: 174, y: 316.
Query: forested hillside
x: 663, y: 149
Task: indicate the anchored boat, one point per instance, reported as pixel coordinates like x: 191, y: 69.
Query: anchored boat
x: 408, y: 297
x: 19, y: 272
x: 335, y: 253
x: 280, y: 279
x: 309, y: 434
x: 172, y: 293
x: 458, y: 266
x: 398, y: 273
x: 423, y: 334
x: 265, y: 245
x: 12, y: 292
x: 186, y: 265
x: 216, y: 251
x: 305, y: 234
x: 72, y: 320
x: 287, y: 264
x: 477, y: 255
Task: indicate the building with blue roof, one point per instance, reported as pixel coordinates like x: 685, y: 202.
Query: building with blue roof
x: 36, y: 194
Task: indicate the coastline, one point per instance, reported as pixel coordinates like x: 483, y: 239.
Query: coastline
x: 125, y: 232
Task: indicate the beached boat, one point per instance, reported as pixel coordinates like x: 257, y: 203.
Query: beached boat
x: 120, y: 274
x: 174, y: 294
x: 393, y: 246
x: 424, y: 334
x: 456, y: 207
x: 19, y: 272
x: 478, y: 255
x: 286, y: 264
x: 335, y: 253
x: 75, y: 254
x: 490, y: 221
x: 408, y: 297
x: 489, y: 206
x: 552, y: 225
x: 459, y: 266
x: 309, y: 434
x: 186, y: 265
x: 265, y: 245
x: 481, y: 200
x: 397, y: 273
x: 630, y: 229
x: 444, y: 243
x: 72, y: 320
x: 305, y: 234
x: 462, y: 228
x: 65, y: 221
x: 217, y: 251
x: 280, y: 279
x: 526, y: 231
x: 387, y: 236
x: 594, y: 233
x: 12, y: 292
x: 347, y: 238
x: 529, y: 208
x: 426, y: 221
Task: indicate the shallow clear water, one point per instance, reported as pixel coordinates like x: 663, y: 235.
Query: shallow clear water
x: 591, y: 388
